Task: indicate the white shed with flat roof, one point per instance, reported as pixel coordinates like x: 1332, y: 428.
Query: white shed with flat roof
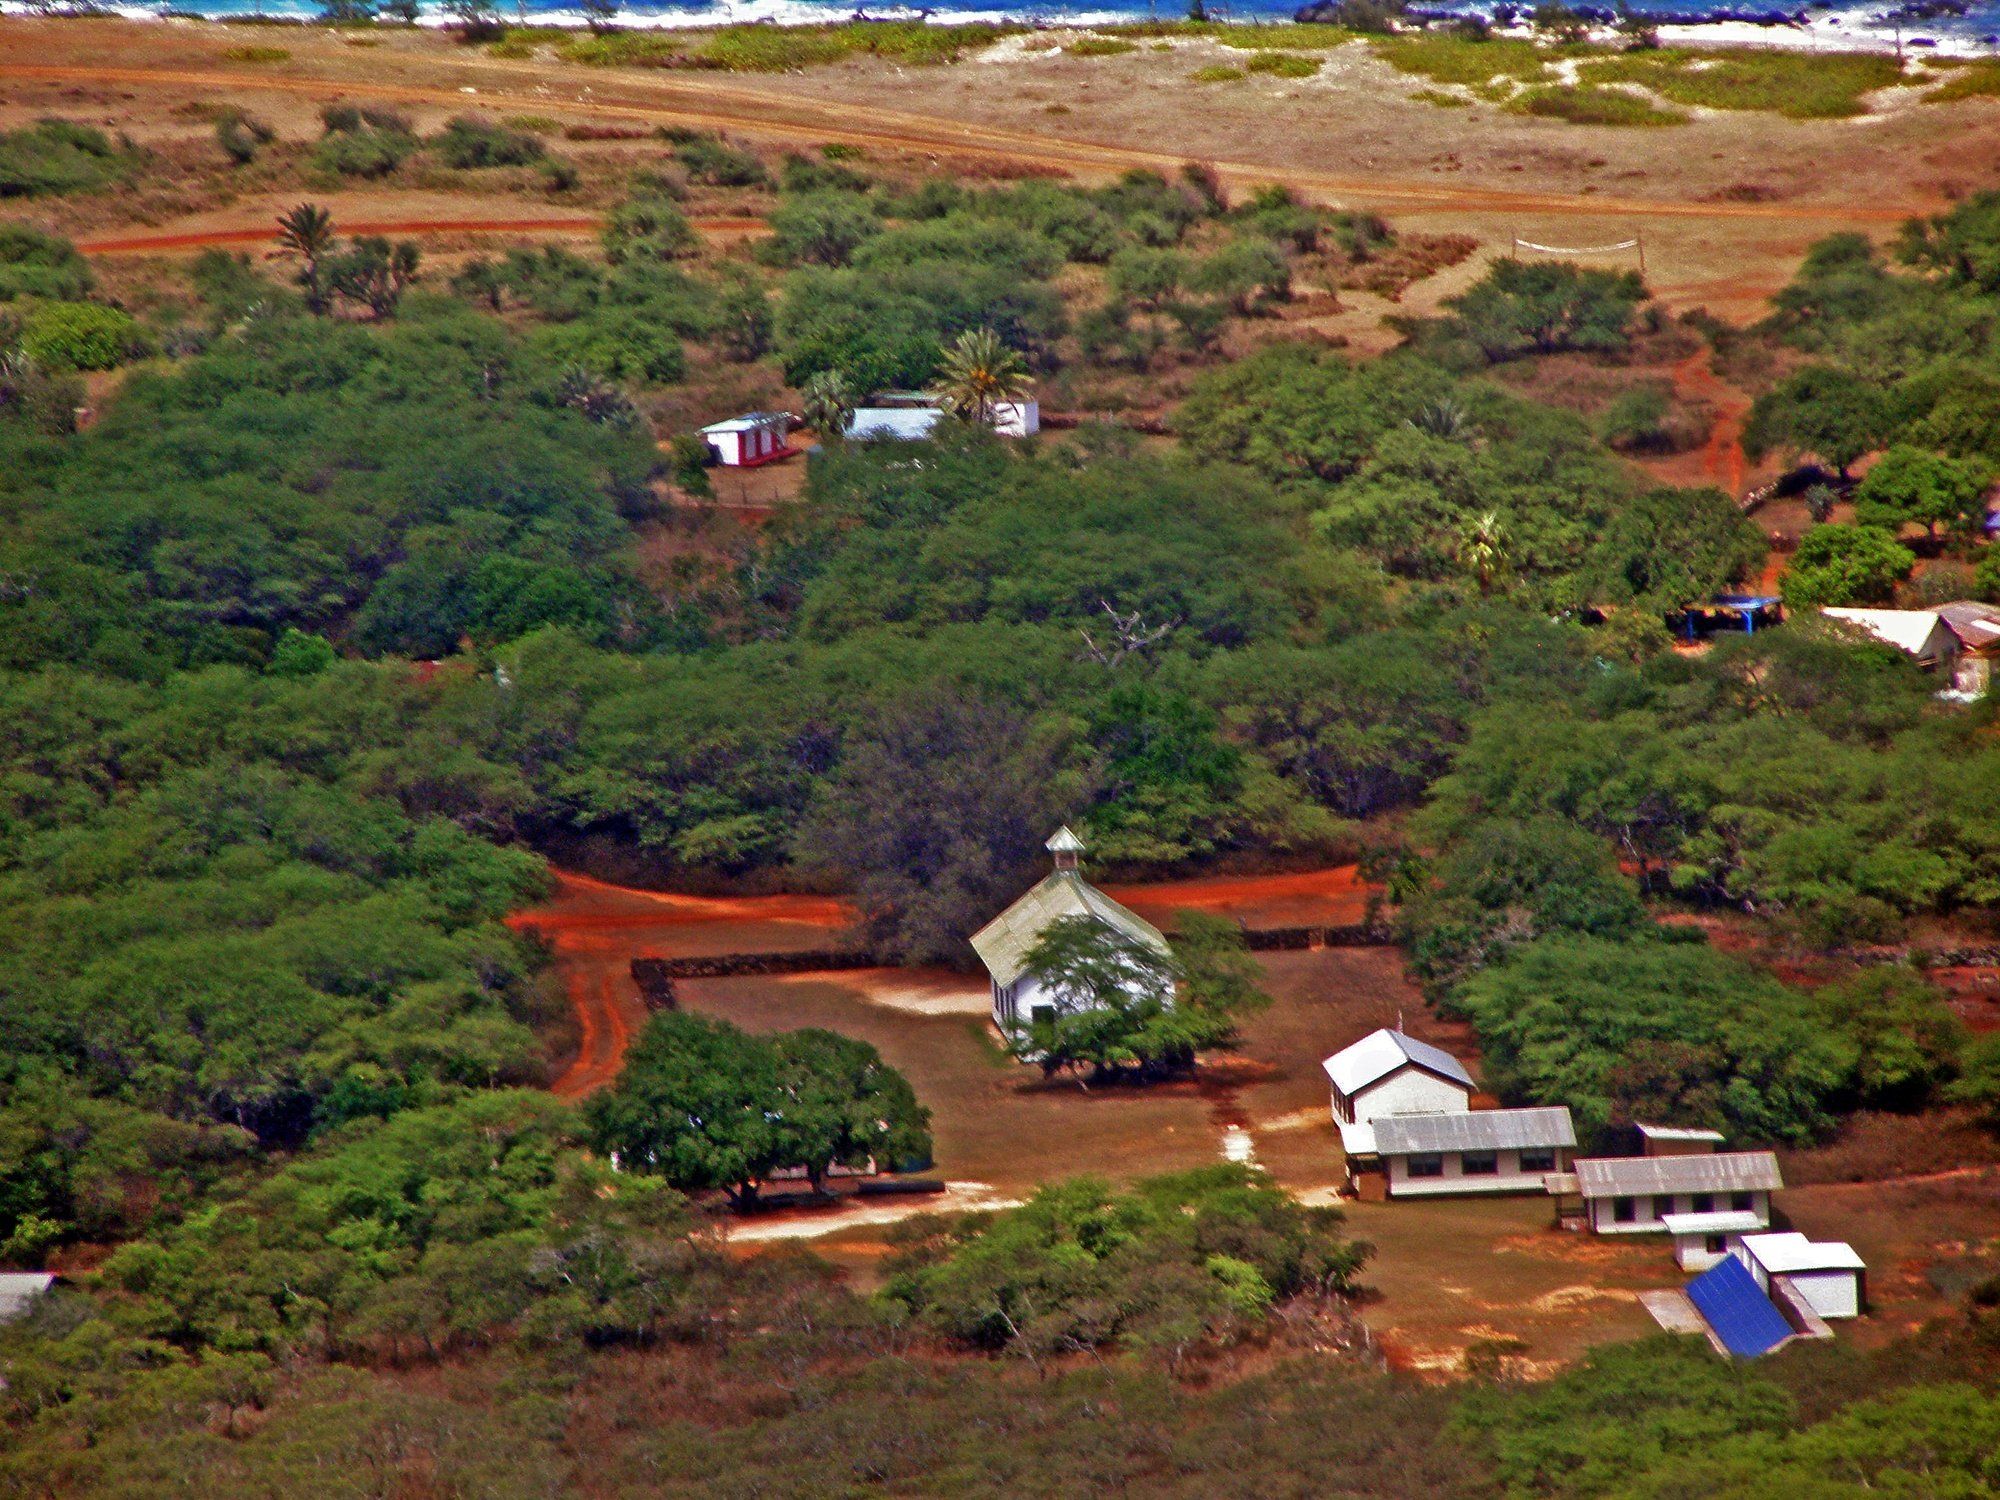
x: 1827, y: 1274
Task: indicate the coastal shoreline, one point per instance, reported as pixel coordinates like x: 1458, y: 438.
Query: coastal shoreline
x: 1857, y: 30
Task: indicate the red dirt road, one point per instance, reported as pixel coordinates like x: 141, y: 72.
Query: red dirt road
x: 596, y: 929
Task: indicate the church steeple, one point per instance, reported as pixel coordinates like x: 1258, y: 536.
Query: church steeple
x: 1066, y: 847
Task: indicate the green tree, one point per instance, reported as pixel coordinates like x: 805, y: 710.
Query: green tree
x: 307, y: 232
x: 844, y: 1106
x: 1845, y: 565
x: 648, y: 227
x: 821, y: 228
x: 1829, y: 412
x: 374, y: 272
x: 1910, y: 486
x: 829, y: 404
x: 1244, y: 273
x: 978, y: 375
x: 1542, y: 308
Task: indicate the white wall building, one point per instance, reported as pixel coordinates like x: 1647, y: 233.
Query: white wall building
x: 747, y: 441
x: 1388, y: 1073
x: 1637, y: 1194
x: 1828, y: 1276
x: 1004, y: 943
x: 1475, y: 1151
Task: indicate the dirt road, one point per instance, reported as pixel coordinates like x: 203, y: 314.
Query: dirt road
x: 596, y: 929
x: 748, y: 110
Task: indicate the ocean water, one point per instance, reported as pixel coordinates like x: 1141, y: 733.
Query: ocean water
x: 1839, y: 25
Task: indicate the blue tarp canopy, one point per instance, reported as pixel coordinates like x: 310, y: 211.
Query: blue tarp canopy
x: 1742, y: 1316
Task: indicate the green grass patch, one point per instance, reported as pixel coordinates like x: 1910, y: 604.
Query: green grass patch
x: 1298, y: 34
x: 1099, y: 46
x: 1797, y: 85
x: 780, y: 49
x: 1979, y: 80
x: 1457, y: 59
x: 1441, y: 99
x: 256, y: 54
x: 533, y: 124
x: 518, y: 43
x: 52, y: 157
x: 1588, y: 104
x: 1216, y: 73
x: 1283, y: 65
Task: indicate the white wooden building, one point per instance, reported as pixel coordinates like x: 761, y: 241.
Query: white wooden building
x: 1004, y: 943
x: 1637, y: 1194
x: 1470, y: 1151
x: 744, y: 442
x: 1388, y: 1073
x: 1828, y: 1276
x: 19, y: 1291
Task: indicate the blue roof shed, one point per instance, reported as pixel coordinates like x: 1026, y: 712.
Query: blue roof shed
x: 1747, y: 1321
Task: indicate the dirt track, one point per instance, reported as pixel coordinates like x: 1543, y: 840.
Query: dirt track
x: 597, y: 929
x: 772, y: 114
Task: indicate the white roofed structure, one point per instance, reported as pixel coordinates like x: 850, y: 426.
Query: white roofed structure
x: 19, y: 1289
x: 1475, y: 1130
x: 1916, y: 632
x: 1004, y: 943
x: 1383, y: 1052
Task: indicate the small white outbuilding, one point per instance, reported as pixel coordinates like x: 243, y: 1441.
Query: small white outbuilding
x: 1388, y: 1073
x: 755, y: 438
x: 1827, y: 1275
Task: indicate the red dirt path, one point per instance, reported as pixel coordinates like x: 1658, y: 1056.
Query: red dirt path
x: 596, y: 929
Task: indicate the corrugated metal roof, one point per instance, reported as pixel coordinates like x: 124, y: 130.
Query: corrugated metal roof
x: 1381, y: 1053
x: 1722, y: 1222
x: 1721, y: 1172
x: 1908, y: 630
x: 907, y: 424
x: 1003, y: 943
x: 1781, y: 1254
x: 19, y: 1288
x: 1358, y: 1138
x: 1976, y: 625
x: 1475, y: 1130
x: 748, y: 422
x: 1741, y: 1315
x: 1677, y: 1133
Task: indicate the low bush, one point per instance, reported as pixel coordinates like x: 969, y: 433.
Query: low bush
x: 1216, y: 73
x: 59, y: 156
x: 1283, y: 65
x: 1586, y: 104
x: 1451, y: 59
x: 1798, y: 85
x: 80, y: 336
x: 1099, y: 46
x: 33, y: 264
x: 256, y: 54
x: 469, y: 142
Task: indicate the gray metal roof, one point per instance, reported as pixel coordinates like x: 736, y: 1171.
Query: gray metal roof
x: 19, y: 1288
x: 902, y: 424
x: 1381, y: 1053
x: 1721, y: 1172
x: 1475, y: 1130
x: 1003, y: 943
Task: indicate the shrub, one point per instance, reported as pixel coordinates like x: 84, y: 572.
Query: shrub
x: 80, y: 336
x: 256, y: 54
x: 1450, y: 59
x: 1800, y: 86
x: 33, y: 264
x: 242, y: 136
x: 1099, y: 46
x: 362, y: 143
x: 1586, y: 104
x: 1216, y: 73
x: 614, y: 347
x: 1637, y: 421
x: 1283, y: 65
x: 1845, y: 565
x: 58, y: 156
x: 714, y: 161
x: 648, y: 228
x: 469, y: 142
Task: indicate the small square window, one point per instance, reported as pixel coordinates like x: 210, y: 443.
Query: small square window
x: 1479, y: 1164
x: 1042, y: 1015
x: 1623, y: 1210
x: 1538, y: 1161
x: 1701, y: 1203
x: 1715, y: 1244
x: 1429, y: 1165
x: 1742, y: 1203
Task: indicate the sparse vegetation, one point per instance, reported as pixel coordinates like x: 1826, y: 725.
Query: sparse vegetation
x: 1590, y: 105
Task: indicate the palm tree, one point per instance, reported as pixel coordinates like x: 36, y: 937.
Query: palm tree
x: 1446, y: 417
x: 307, y: 231
x: 1483, y: 552
x: 829, y: 404
x: 979, y: 373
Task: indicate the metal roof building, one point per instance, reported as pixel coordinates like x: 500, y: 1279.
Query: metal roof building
x: 1003, y: 944
x: 19, y: 1289
x: 1475, y: 1130
x: 1381, y: 1053
x: 1661, y: 1176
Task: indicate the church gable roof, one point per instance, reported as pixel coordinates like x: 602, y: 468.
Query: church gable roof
x: 1004, y: 943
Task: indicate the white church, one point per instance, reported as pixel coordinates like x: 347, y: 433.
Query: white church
x: 1004, y: 943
